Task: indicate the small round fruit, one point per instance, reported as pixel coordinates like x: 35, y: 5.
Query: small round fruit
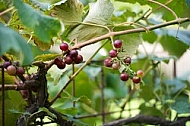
x: 117, y: 43
x: 127, y: 60
x: 73, y: 54
x: 68, y: 60
x: 11, y: 70
x: 59, y: 62
x: 6, y: 64
x: 78, y: 59
x: 140, y: 73
x: 116, y: 65
x: 113, y: 53
x: 61, y: 65
x: 108, y: 62
x: 124, y: 76
x: 20, y: 71
x: 136, y: 79
x: 64, y: 46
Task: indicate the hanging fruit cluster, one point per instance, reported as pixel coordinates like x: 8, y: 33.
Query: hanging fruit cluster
x: 115, y: 62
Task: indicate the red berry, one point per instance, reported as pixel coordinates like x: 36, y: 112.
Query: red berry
x: 108, y: 62
x: 124, y: 76
x: 78, y: 59
x: 127, y: 60
x: 68, y: 60
x: 73, y: 54
x: 6, y: 64
x: 64, y: 46
x: 136, y: 79
x: 20, y: 71
x: 117, y: 43
x: 59, y: 62
x: 116, y: 65
x: 113, y: 53
x: 11, y: 70
x: 140, y: 73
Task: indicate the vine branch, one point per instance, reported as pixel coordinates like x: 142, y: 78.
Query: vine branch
x: 136, y: 30
x: 152, y: 120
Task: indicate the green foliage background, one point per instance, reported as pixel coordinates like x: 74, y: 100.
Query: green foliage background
x: 28, y: 36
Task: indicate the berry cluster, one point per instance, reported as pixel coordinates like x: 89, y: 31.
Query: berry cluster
x: 72, y: 56
x: 14, y: 68
x: 115, y: 62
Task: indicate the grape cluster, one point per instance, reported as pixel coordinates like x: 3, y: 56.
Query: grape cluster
x: 72, y: 56
x: 14, y: 68
x: 115, y: 62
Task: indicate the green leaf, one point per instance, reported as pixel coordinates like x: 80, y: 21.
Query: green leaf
x: 70, y: 11
x: 149, y: 37
x: 188, y: 3
x: 92, y: 71
x: 67, y: 111
x: 84, y: 100
x: 44, y: 27
x: 173, y: 45
x: 181, y: 105
x: 94, y: 24
x: 175, y: 86
x: 100, y: 12
x: 11, y: 41
x: 46, y: 57
x: 153, y: 111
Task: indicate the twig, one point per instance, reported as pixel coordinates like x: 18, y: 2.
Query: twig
x: 148, y: 14
x: 137, y: 30
x: 3, y: 98
x: 165, y: 7
x: 12, y: 87
x: 5, y: 11
x: 102, y: 95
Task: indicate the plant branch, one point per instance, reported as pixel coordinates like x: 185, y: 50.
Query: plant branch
x: 176, y: 17
x: 152, y: 120
x: 13, y: 87
x: 136, y: 30
x: 5, y: 11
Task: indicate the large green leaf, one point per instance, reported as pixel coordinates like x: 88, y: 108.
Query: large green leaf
x: 13, y: 101
x: 93, y: 25
x: 181, y: 105
x: 173, y: 45
x: 70, y: 11
x: 44, y: 27
x: 12, y: 42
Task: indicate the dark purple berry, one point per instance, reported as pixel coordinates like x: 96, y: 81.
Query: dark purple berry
x: 127, y: 60
x: 124, y: 76
x: 136, y: 79
x: 78, y: 59
x: 6, y: 64
x: 117, y: 43
x: 20, y: 71
x: 73, y: 54
x: 68, y: 60
x: 108, y: 62
x: 59, y: 62
x: 64, y: 46
x: 113, y: 53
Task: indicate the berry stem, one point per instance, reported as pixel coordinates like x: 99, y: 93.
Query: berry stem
x: 75, y: 74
